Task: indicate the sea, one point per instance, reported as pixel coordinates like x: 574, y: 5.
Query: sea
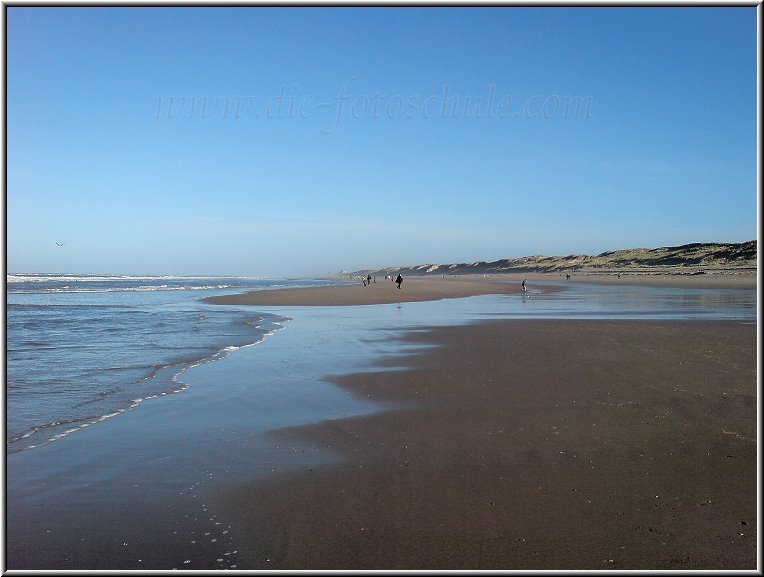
x: 81, y: 349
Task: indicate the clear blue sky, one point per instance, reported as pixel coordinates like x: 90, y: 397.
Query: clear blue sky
x: 301, y: 141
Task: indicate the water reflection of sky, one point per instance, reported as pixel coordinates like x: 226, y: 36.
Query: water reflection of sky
x: 575, y: 301
x: 637, y: 302
x: 336, y: 340
x: 283, y: 382
x: 347, y: 336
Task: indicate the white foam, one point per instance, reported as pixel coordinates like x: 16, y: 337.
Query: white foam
x: 180, y: 386
x: 142, y: 288
x: 42, y: 277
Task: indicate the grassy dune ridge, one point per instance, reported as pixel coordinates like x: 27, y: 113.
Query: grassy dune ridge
x: 695, y: 258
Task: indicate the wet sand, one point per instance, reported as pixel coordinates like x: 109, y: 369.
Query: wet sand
x: 413, y: 289
x: 424, y: 288
x: 528, y: 445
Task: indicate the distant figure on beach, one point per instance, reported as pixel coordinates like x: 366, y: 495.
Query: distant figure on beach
x: 567, y: 276
x: 399, y: 280
x: 368, y: 280
x: 523, y: 286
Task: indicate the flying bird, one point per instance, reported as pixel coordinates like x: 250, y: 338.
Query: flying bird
x: 59, y: 244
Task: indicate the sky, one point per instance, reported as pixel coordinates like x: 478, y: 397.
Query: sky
x: 278, y: 141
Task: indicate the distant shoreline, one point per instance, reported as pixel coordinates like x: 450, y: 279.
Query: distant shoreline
x: 417, y: 288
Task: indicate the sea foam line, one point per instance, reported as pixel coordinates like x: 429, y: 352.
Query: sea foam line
x: 226, y: 351
x: 221, y: 354
x: 143, y: 288
x: 42, y: 277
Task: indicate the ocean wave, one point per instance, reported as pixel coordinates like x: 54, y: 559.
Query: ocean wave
x: 46, y: 426
x: 64, y: 427
x: 142, y: 288
x: 47, y: 277
x: 226, y: 351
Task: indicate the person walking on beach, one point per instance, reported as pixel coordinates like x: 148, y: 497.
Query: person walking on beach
x: 399, y: 280
x: 368, y: 280
x: 523, y: 286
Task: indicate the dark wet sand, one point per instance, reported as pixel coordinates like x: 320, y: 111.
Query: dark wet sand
x: 529, y: 445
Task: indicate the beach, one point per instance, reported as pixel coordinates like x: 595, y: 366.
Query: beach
x: 554, y: 444
x: 424, y: 288
x: 531, y: 445
x: 394, y: 437
x: 413, y: 289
